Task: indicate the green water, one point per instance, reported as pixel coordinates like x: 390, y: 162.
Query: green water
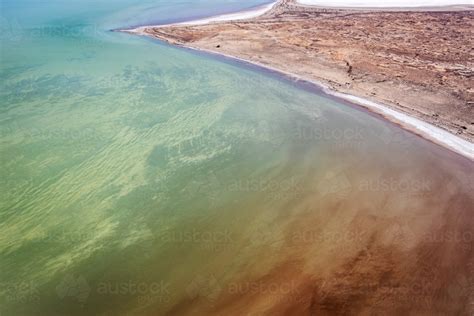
x: 127, y: 162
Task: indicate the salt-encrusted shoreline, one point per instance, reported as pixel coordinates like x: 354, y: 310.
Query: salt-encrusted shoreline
x: 241, y: 15
x: 418, y: 126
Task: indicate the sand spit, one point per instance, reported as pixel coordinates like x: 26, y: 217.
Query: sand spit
x: 414, y: 68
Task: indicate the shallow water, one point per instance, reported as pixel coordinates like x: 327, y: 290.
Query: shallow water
x: 138, y: 178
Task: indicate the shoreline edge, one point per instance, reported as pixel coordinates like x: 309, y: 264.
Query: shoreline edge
x: 417, y: 126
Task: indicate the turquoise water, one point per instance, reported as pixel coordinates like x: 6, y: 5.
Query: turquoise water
x: 132, y: 172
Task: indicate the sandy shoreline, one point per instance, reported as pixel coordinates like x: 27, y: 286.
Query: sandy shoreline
x: 411, y: 123
x: 241, y: 15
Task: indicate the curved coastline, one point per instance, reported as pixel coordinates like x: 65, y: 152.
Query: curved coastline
x: 239, y: 15
x: 418, y: 127
x: 421, y: 128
